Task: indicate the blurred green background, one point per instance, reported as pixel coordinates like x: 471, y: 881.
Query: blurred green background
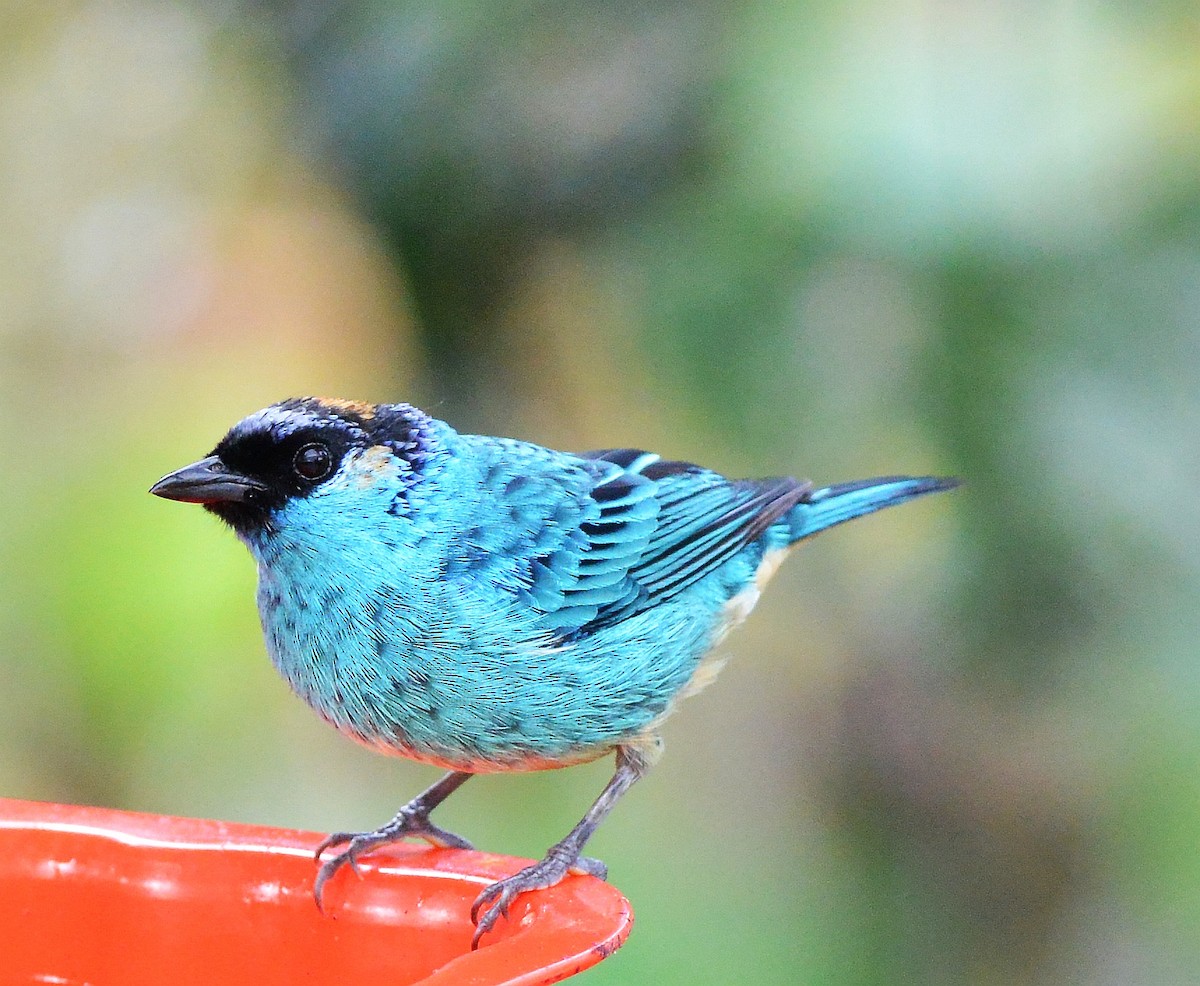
x: 960, y: 742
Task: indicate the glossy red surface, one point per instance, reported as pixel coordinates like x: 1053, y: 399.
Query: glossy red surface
x: 94, y: 896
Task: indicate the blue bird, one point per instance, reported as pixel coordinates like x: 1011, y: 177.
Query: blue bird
x: 484, y: 604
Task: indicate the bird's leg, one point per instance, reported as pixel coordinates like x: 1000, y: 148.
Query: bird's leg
x: 564, y: 856
x: 411, y: 820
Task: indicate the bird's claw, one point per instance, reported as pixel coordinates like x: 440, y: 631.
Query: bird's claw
x: 588, y: 866
x: 336, y: 839
x: 494, y: 902
x: 491, y: 905
x: 359, y: 843
x: 405, y: 825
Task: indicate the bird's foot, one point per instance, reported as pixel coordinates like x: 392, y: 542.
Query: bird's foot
x: 494, y: 902
x: 412, y: 821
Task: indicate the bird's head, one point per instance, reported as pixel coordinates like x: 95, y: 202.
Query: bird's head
x: 303, y: 451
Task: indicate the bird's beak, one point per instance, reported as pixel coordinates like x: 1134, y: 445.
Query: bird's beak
x: 207, y: 481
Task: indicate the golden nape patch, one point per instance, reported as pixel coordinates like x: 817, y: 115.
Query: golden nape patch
x: 362, y: 409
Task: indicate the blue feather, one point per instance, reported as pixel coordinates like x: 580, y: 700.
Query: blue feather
x: 845, y: 501
x: 434, y: 589
x: 487, y: 604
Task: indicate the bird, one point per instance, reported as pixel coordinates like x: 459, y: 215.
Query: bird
x: 489, y: 605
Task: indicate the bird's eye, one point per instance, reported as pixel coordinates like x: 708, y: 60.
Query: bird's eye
x: 313, y: 462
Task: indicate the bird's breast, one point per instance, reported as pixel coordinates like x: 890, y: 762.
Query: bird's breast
x: 418, y: 677
x: 459, y: 675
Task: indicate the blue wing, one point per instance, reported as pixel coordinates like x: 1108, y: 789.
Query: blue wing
x: 657, y: 527
x: 588, y: 540
x: 585, y: 541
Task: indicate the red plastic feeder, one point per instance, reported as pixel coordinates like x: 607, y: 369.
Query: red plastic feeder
x: 93, y: 896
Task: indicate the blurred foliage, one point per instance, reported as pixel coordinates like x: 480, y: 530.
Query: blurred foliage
x: 960, y: 742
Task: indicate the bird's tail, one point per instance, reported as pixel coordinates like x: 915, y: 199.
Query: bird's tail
x: 835, y: 504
